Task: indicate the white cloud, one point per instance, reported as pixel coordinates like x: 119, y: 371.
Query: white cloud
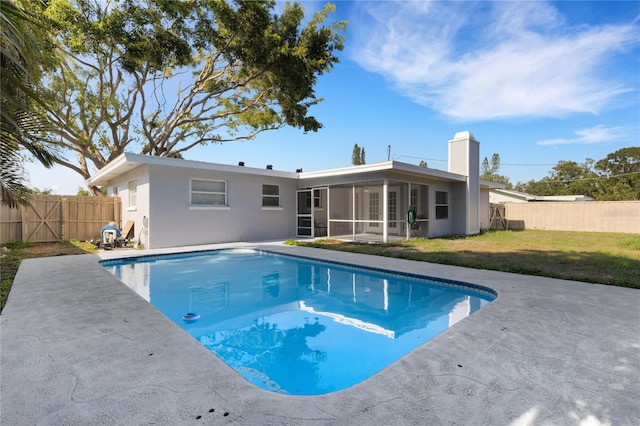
x: 488, y: 60
x: 597, y: 134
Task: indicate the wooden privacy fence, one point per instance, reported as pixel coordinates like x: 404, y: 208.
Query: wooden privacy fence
x: 49, y: 218
x: 591, y: 216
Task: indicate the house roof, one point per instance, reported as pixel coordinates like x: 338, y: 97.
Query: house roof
x: 384, y: 166
x: 514, y: 194
x: 491, y: 185
x: 129, y: 161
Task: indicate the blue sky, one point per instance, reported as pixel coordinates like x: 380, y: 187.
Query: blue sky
x: 536, y: 82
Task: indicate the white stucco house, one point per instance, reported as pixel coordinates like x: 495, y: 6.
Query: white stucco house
x: 175, y: 202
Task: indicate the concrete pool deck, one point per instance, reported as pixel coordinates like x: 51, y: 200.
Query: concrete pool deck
x: 79, y: 347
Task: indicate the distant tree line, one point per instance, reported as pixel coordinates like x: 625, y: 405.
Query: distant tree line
x: 614, y: 178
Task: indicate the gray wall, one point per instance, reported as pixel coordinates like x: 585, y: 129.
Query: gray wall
x: 173, y: 223
x: 120, y: 187
x: 458, y: 208
x: 485, y: 209
x: 442, y: 227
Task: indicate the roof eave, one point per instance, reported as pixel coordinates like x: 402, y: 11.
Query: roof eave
x: 128, y: 161
x: 384, y: 166
x: 491, y: 185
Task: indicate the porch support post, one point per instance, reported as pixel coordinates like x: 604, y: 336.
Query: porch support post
x: 353, y: 211
x: 406, y: 215
x: 328, y: 212
x: 385, y: 211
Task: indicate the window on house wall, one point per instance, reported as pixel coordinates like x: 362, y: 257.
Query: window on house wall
x: 270, y: 195
x: 208, y: 193
x: 442, y: 205
x: 133, y: 194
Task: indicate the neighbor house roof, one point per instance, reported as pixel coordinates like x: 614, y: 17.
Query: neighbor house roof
x: 523, y: 196
x: 563, y: 198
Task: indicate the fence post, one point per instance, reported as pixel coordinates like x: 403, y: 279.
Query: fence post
x: 23, y: 215
x: 65, y: 215
x: 117, y: 211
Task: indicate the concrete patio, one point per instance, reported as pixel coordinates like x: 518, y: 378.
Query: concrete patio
x: 79, y: 347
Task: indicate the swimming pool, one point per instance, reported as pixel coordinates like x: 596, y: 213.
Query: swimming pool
x: 297, y: 325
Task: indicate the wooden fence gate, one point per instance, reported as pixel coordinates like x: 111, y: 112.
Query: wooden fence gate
x: 49, y: 218
x: 498, y: 220
x: 42, y: 219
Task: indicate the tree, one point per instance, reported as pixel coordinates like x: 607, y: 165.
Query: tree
x: 21, y: 56
x: 502, y: 179
x: 83, y: 192
x: 489, y: 172
x: 620, y: 174
x: 162, y: 77
x: 614, y: 178
x: 357, y: 157
x: 486, y: 170
x: 566, y: 178
x: 45, y: 191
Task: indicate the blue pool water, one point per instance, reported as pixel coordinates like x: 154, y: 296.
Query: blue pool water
x: 295, y: 325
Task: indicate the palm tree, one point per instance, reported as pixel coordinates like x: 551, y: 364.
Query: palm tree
x: 21, y: 55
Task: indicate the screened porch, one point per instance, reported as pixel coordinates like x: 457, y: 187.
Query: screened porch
x: 372, y: 211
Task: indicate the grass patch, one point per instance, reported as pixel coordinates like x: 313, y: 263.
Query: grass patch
x: 602, y: 258
x: 17, y: 251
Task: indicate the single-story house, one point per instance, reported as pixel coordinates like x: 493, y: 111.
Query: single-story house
x: 176, y: 202
x: 500, y: 195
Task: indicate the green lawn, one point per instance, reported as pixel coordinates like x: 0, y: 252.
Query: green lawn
x: 10, y: 259
x: 594, y: 257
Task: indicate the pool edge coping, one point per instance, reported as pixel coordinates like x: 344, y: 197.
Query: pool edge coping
x: 526, y: 357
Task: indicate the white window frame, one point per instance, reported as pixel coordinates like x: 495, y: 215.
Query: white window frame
x: 270, y: 196
x: 132, y: 186
x: 224, y: 206
x: 442, y: 205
